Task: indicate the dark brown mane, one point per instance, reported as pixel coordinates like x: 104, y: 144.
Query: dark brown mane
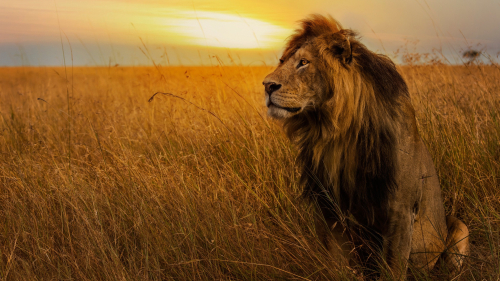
x: 347, y: 145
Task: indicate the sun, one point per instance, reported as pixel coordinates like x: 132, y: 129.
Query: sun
x: 213, y: 29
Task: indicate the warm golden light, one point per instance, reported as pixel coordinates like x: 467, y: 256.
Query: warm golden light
x: 213, y: 29
x: 192, y: 31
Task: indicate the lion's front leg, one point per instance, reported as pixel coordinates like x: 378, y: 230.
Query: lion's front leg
x: 339, y: 243
x: 335, y: 238
x: 397, y: 241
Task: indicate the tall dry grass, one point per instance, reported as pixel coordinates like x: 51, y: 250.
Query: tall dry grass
x: 97, y: 183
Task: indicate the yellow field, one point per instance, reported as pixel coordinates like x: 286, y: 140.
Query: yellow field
x: 97, y: 183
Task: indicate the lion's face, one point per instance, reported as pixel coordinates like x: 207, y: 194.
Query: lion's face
x: 296, y: 85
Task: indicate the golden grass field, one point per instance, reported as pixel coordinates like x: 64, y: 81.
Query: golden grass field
x: 97, y: 183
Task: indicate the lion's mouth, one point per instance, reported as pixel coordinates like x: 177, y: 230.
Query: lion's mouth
x: 289, y: 109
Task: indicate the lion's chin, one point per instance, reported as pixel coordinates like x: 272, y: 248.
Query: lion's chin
x: 282, y: 113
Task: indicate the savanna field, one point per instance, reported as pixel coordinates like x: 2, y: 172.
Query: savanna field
x: 98, y: 182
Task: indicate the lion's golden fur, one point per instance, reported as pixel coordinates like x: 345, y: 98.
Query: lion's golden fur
x: 349, y: 112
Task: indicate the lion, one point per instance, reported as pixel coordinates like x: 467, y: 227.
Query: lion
x: 362, y: 160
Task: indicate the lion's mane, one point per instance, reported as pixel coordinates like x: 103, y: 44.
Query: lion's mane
x: 347, y: 144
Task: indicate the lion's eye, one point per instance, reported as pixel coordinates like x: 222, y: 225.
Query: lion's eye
x: 303, y: 62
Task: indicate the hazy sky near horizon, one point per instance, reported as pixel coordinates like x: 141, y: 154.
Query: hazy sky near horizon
x: 102, y: 32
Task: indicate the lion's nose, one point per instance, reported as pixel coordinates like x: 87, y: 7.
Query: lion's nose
x: 271, y: 87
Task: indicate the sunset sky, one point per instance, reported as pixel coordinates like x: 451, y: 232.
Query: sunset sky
x: 109, y: 32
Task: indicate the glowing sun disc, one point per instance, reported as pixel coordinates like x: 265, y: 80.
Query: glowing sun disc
x: 223, y: 30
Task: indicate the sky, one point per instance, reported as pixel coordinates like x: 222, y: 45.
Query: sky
x: 248, y: 32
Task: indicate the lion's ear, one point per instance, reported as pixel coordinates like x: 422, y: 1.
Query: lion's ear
x: 336, y: 44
